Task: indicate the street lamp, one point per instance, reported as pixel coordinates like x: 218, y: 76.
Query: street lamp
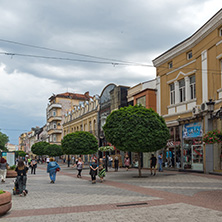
x: 210, y: 107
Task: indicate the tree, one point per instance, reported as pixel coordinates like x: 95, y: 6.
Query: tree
x: 3, y: 140
x: 20, y: 153
x: 79, y: 143
x: 39, y: 148
x: 136, y: 129
x: 53, y: 150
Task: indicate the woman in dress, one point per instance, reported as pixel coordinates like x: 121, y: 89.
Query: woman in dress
x: 127, y: 162
x: 52, y: 168
x: 102, y: 171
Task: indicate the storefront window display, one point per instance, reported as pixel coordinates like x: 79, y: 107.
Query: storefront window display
x: 192, y: 146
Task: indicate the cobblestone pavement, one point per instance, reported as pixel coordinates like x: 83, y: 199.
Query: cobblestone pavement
x: 168, y: 196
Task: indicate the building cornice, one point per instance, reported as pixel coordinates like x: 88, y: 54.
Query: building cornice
x: 187, y: 44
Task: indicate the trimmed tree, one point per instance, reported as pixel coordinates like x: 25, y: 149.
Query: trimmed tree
x: 136, y: 129
x: 79, y: 143
x: 39, y: 148
x: 53, y: 150
x: 20, y: 153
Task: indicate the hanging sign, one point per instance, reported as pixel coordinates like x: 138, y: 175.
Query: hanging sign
x: 192, y: 130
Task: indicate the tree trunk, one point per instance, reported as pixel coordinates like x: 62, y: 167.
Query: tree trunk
x: 139, y: 164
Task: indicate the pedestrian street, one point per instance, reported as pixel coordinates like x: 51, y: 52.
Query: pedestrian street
x: 168, y: 196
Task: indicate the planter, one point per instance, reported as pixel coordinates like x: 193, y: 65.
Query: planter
x: 5, y: 202
x: 11, y: 174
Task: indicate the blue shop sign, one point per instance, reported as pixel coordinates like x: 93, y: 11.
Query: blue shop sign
x: 192, y: 130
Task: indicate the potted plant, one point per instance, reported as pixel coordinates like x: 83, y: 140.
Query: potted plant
x: 212, y: 137
x: 5, y: 202
x: 11, y: 173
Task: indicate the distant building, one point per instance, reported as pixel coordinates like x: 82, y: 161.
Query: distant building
x: 59, y: 105
x: 11, y: 147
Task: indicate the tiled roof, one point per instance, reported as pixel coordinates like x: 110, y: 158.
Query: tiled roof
x: 76, y: 96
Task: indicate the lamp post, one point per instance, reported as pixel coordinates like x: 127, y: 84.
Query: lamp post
x: 209, y: 149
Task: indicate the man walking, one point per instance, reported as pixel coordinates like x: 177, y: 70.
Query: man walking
x: 160, y: 161
x: 153, y: 161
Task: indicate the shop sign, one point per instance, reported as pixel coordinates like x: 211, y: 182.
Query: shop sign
x: 192, y: 130
x: 173, y: 143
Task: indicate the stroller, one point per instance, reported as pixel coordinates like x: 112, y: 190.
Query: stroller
x: 16, y: 188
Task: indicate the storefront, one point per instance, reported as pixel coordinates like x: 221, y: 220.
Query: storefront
x: 192, y: 146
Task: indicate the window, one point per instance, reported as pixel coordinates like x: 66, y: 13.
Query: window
x: 54, y: 137
x: 182, y: 90
x: 189, y: 55
x: 54, y: 126
x: 172, y: 93
x: 170, y: 65
x: 141, y: 101
x: 54, y: 113
x: 220, y: 32
x: 192, y: 87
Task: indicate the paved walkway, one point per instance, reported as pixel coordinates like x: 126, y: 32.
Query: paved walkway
x: 168, y: 196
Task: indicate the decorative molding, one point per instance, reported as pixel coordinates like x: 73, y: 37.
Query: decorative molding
x: 219, y: 56
x: 220, y: 42
x: 181, y: 67
x: 181, y: 73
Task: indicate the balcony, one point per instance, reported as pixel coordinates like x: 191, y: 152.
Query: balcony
x: 54, y: 118
x: 54, y: 131
x: 54, y: 105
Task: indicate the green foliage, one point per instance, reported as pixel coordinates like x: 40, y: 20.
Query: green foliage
x: 211, y: 137
x: 20, y: 153
x: 12, y: 167
x: 3, y: 140
x: 79, y: 143
x: 136, y: 129
x: 1, y: 191
x: 53, y: 150
x: 39, y: 148
x: 106, y: 148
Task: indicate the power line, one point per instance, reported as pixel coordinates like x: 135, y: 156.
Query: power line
x: 67, y: 52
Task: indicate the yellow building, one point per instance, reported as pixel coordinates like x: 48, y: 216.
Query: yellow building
x: 83, y: 117
x: 188, y: 76
x: 58, y: 106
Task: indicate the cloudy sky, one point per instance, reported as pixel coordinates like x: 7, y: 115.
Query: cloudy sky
x: 82, y: 45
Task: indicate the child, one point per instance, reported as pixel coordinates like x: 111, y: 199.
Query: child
x: 102, y: 171
x: 21, y: 170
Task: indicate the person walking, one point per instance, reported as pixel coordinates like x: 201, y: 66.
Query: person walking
x: 110, y: 159
x: 116, y: 163
x: 127, y: 162
x: 52, y: 168
x: 102, y: 170
x: 79, y: 165
x: 21, y: 170
x: 33, y: 165
x: 160, y: 161
x: 3, y: 169
x: 153, y: 161
x: 93, y: 170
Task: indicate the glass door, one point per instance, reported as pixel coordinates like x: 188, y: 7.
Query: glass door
x: 197, y: 157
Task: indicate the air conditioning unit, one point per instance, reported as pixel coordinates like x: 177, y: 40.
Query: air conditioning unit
x: 203, y: 107
x: 196, y: 110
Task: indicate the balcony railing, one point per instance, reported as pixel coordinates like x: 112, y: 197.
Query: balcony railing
x: 54, y: 118
x: 54, y: 105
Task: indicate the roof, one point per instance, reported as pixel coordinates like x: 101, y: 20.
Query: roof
x: 202, y: 32
x: 69, y: 95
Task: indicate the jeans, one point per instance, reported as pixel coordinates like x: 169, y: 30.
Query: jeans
x: 33, y: 169
x: 52, y: 175
x: 160, y: 167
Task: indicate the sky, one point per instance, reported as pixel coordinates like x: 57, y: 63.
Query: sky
x: 51, y: 47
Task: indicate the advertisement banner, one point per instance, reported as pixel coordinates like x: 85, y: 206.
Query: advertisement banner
x: 192, y: 130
